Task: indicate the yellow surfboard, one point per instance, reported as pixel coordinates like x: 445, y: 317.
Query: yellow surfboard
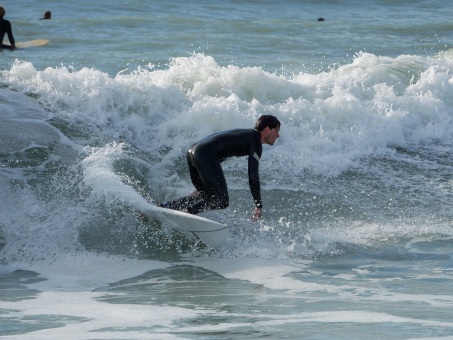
x: 32, y: 43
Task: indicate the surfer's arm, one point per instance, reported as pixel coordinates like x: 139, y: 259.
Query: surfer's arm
x: 254, y: 179
x: 9, y: 32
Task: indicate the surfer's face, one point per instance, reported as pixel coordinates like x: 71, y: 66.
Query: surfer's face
x: 270, y: 135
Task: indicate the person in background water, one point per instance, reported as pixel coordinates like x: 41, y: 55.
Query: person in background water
x: 5, y: 28
x: 47, y: 15
x: 205, y: 156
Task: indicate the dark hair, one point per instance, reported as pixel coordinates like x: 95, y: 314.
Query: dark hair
x: 267, y: 121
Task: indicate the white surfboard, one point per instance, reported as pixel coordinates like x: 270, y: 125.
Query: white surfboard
x: 32, y: 43
x: 211, y: 233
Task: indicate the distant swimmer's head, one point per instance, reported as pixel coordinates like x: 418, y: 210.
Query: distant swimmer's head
x: 2, y: 12
x: 47, y: 15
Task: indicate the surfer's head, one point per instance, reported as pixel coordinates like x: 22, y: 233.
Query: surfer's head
x: 269, y: 127
x: 47, y: 15
x: 2, y: 12
x: 267, y: 121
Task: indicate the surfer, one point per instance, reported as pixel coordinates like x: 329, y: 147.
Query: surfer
x: 205, y: 156
x: 47, y: 15
x: 5, y: 28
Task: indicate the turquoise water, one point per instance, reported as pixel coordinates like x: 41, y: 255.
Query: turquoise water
x: 355, y: 241
x: 278, y: 36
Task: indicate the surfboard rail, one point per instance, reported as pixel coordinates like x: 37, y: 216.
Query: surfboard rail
x: 211, y: 233
x: 32, y: 43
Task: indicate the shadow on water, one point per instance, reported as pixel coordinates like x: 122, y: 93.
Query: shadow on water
x: 193, y: 287
x: 332, y: 287
x: 13, y: 285
x: 13, y: 288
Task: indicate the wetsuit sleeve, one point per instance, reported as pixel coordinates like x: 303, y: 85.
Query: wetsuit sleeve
x: 10, y: 34
x: 254, y: 178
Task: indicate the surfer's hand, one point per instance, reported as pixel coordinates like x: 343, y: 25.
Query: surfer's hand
x: 256, y: 214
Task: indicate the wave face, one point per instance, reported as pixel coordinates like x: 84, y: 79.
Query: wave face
x: 362, y: 147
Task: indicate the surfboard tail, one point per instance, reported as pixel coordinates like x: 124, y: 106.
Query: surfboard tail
x: 211, y: 233
x: 32, y: 43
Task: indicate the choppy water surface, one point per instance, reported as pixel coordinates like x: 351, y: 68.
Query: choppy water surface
x: 356, y: 236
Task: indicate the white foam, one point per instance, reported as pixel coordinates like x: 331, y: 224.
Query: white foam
x: 332, y: 118
x: 98, y: 319
x: 331, y: 121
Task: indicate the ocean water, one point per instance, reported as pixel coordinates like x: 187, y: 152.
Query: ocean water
x: 356, y: 236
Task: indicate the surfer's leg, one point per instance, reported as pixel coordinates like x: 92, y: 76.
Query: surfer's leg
x: 202, y: 202
x: 192, y: 204
x: 208, y: 178
x: 183, y: 203
x: 216, y: 191
x: 207, y: 175
x: 194, y: 175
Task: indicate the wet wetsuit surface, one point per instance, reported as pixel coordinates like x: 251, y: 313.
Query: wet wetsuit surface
x: 5, y: 28
x: 204, y: 158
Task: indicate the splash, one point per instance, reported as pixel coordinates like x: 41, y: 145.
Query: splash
x: 344, y: 131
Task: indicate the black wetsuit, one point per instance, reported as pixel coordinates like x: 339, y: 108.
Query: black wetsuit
x: 5, y: 28
x: 204, y: 158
